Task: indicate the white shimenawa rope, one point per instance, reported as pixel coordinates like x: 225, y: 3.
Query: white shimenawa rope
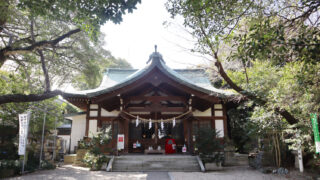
x: 157, y: 121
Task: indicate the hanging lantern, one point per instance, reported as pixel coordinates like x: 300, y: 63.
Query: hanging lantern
x: 174, y: 122
x: 150, y: 124
x: 162, y: 124
x: 137, y: 121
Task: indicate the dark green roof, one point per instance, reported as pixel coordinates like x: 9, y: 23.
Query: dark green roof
x: 114, y: 79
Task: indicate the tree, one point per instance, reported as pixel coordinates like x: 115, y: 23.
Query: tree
x: 277, y: 44
x: 45, y: 35
x: 251, y: 29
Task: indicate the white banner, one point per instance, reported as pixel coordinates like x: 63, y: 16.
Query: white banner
x: 23, y: 132
x: 318, y: 147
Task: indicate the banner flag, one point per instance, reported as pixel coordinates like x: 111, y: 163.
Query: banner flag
x: 23, y: 132
x: 314, y: 121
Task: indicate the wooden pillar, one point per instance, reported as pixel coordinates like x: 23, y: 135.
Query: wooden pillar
x: 156, y: 129
x: 87, y: 119
x: 225, y: 120
x: 126, y: 135
x: 213, y: 124
x: 186, y: 133
x: 99, y: 123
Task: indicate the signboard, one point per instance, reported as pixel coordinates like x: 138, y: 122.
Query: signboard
x: 120, y: 142
x: 314, y: 121
x: 23, y: 132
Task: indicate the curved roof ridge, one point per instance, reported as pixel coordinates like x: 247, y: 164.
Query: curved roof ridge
x: 108, y: 84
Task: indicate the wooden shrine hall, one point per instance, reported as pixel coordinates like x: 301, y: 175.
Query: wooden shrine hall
x: 147, y: 106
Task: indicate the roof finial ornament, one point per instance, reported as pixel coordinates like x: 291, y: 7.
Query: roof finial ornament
x: 155, y: 56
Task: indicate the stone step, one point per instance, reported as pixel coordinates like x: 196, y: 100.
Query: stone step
x: 156, y: 163
x: 157, y: 160
x: 141, y: 169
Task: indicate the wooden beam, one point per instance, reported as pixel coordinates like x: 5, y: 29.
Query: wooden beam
x: 156, y: 98
x: 159, y: 109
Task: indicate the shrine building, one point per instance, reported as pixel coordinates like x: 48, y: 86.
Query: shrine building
x: 149, y: 105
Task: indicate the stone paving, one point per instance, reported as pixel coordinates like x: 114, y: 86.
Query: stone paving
x: 69, y: 172
x: 234, y: 173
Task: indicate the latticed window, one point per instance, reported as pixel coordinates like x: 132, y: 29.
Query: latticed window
x: 204, y: 124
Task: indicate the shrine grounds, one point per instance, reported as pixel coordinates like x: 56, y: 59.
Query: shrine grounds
x: 68, y: 172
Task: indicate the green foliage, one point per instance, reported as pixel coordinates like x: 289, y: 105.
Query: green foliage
x: 47, y: 165
x: 76, y: 57
x: 243, y: 133
x: 209, y: 146
x: 95, y: 60
x: 89, y: 15
x: 95, y: 158
x: 9, y: 168
x: 10, y: 164
x: 95, y: 162
x: 277, y: 44
x: 8, y: 149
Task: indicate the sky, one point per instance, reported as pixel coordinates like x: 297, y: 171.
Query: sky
x: 135, y: 37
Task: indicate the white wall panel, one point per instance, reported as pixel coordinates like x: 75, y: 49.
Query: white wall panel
x: 204, y: 113
x: 105, y: 113
x: 218, y: 106
x: 93, y: 113
x: 78, y: 130
x: 219, y: 128
x: 93, y: 106
x: 218, y: 113
x: 92, y: 127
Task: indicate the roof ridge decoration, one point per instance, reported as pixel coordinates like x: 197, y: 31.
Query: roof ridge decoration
x: 155, y: 56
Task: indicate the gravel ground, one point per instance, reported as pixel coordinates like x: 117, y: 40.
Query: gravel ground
x: 69, y: 172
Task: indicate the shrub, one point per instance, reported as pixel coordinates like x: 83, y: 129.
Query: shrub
x: 9, y: 168
x: 209, y: 146
x: 47, y: 165
x: 95, y: 162
x: 94, y: 158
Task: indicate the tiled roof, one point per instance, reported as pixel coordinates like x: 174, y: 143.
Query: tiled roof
x: 116, y: 78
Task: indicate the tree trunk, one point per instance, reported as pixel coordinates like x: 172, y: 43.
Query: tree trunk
x: 45, y: 72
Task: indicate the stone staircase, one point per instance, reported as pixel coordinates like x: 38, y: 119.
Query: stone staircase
x: 141, y: 163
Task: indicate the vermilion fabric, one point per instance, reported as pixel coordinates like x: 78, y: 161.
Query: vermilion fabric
x: 170, y: 146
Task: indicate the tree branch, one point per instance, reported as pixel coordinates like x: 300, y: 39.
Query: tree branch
x: 7, y: 51
x: 29, y: 98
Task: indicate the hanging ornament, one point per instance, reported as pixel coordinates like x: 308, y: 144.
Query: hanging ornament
x: 150, y: 124
x: 137, y: 121
x: 174, y: 122
x: 162, y: 125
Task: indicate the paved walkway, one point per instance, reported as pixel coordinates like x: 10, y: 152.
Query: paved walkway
x: 69, y: 172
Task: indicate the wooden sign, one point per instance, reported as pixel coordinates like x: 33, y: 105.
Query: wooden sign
x: 120, y: 142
